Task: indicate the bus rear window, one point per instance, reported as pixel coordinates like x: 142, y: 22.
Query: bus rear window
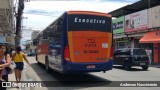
x: 86, y: 22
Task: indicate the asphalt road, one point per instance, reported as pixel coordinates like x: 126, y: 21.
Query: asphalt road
x: 110, y: 80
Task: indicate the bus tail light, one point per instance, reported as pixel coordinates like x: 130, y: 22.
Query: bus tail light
x: 111, y: 54
x: 66, y: 54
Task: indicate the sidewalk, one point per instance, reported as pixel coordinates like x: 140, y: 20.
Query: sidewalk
x: 155, y: 65
x: 11, y: 78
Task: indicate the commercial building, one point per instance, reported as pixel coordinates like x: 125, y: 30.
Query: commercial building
x: 138, y: 25
x: 7, y: 28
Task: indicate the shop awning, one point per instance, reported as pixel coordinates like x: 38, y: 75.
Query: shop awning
x: 151, y: 37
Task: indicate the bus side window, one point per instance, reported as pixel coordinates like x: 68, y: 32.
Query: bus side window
x: 57, y: 34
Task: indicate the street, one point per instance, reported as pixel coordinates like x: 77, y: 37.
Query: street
x: 90, y: 81
x: 86, y: 34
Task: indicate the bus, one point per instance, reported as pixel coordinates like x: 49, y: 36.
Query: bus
x: 76, y: 42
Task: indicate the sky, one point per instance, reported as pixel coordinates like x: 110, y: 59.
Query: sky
x: 38, y: 14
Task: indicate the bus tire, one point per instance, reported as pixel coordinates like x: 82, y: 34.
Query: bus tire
x: 47, y: 66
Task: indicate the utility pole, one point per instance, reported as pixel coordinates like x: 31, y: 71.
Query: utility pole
x: 149, y: 4
x: 18, y: 22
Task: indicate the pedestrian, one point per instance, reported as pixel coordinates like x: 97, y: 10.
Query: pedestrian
x: 18, y: 57
x: 149, y: 53
x: 4, y: 62
x: 6, y: 72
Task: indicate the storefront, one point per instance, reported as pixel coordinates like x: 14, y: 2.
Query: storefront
x: 119, y: 37
x: 7, y: 38
x: 122, y: 43
x: 154, y: 38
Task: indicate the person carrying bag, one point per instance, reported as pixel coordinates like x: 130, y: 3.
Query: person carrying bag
x: 10, y: 68
x: 18, y: 57
x: 4, y: 63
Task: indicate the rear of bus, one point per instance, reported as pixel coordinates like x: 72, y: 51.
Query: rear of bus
x: 89, y: 42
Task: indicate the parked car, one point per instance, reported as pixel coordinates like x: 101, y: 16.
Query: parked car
x: 129, y: 57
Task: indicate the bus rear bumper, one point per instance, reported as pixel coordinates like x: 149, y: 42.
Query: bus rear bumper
x: 71, y: 67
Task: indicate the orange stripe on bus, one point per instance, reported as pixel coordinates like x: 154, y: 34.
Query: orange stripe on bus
x: 70, y: 41
x: 89, y: 13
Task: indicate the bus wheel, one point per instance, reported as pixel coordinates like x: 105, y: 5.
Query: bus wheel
x: 47, y: 66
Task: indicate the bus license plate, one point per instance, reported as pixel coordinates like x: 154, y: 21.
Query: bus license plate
x: 142, y: 63
x: 91, y: 66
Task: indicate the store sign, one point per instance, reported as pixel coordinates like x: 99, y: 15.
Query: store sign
x: 136, y: 21
x: 9, y: 40
x: 118, y: 25
x: 2, y: 39
x: 123, y: 39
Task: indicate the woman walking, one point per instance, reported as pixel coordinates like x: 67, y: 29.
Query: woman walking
x: 18, y: 59
x: 6, y: 70
x: 4, y: 62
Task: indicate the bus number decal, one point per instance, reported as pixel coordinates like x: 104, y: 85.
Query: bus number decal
x: 90, y: 43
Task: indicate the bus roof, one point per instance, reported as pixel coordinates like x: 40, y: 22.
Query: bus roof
x: 89, y: 12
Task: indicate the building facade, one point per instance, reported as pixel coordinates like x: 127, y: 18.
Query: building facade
x: 7, y: 25
x: 120, y: 37
x: 7, y: 29
x: 140, y: 29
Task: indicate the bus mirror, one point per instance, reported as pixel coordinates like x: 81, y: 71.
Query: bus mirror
x: 35, y: 42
